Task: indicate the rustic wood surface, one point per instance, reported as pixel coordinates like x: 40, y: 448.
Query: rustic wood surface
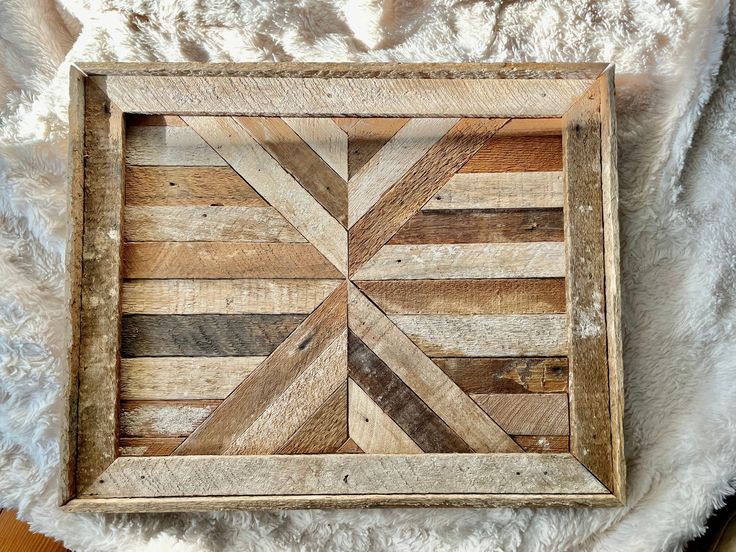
x: 527, y: 414
x: 543, y: 443
x: 366, y: 137
x: 507, y: 375
x: 326, y: 138
x: 504, y: 154
x: 163, y: 418
x: 148, y: 446
x: 176, y: 146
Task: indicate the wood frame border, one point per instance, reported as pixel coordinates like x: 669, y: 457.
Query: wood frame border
x: 102, y: 93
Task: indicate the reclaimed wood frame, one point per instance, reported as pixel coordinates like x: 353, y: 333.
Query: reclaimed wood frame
x: 592, y: 474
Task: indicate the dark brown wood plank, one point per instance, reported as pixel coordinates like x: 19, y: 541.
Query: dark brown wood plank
x: 205, y: 335
x: 148, y: 446
x: 482, y: 226
x: 517, y: 154
x: 543, y: 443
x: 507, y: 375
x: 399, y: 402
x: 367, y: 136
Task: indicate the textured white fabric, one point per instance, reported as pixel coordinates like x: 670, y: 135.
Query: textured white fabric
x: 679, y: 248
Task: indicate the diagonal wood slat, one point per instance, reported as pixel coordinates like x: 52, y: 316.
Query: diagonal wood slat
x: 326, y: 138
x: 366, y: 137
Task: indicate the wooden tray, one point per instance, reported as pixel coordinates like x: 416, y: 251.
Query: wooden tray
x: 343, y: 286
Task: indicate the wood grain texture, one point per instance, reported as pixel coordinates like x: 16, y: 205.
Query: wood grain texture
x: 208, y: 335
x: 590, y: 415
x: 170, y: 378
x: 165, y: 260
x: 507, y: 375
x: 537, y: 190
x: 527, y: 414
x: 177, y: 146
x: 271, y: 378
x: 275, y: 185
x: 163, y: 418
x: 399, y: 402
x: 462, y: 261
x: 543, y: 443
x: 366, y: 136
x: 154, y: 120
x: 300, y: 296
x: 481, y: 226
x: 301, y: 162
x: 384, y: 168
x: 424, y: 377
x: 501, y: 296
x: 207, y: 223
x: 326, y: 138
x: 148, y: 446
x: 532, y: 127
x: 326, y: 431
x: 350, y: 446
x: 371, y: 429
x: 517, y: 154
x: 480, y: 335
x: 419, y: 184
x: 188, y: 186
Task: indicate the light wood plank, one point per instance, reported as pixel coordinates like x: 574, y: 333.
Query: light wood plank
x: 224, y: 260
x: 486, y: 335
x: 350, y: 447
x: 158, y: 145
x: 327, y: 140
x: 500, y: 191
x: 326, y: 431
x: 507, y: 375
x: 163, y: 418
x: 503, y: 296
x: 392, y: 161
x: 543, y: 443
x: 371, y: 429
x: 148, y: 446
x: 285, y: 296
x: 424, y: 377
x: 366, y: 136
x: 460, y: 261
x: 345, y: 123
x: 172, y: 378
x: 504, y: 154
x: 532, y: 127
x: 527, y: 414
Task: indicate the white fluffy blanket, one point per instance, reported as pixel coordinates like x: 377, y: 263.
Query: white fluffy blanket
x: 676, y: 83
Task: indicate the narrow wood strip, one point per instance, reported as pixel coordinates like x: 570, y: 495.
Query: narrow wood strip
x: 207, y: 223
x: 209, y: 335
x: 530, y: 414
x: 153, y: 120
x: 507, y: 296
x: 301, y: 162
x: 391, y: 161
x: 399, y: 402
x: 460, y: 261
x: 163, y: 418
x: 350, y: 447
x: 532, y: 127
x: 366, y: 136
x: 500, y: 191
x: 424, y: 377
x: 224, y: 296
x: 171, y: 378
x: 345, y: 474
x: 517, y: 154
x: 177, y: 146
x: 345, y: 123
x: 275, y: 185
x: 507, y: 375
x: 419, y: 184
x: 479, y: 226
x: 327, y: 140
x: 148, y: 446
x: 590, y: 414
x: 543, y: 443
x: 271, y: 378
x: 225, y: 260
x: 371, y: 429
x: 188, y: 186
x: 326, y: 431
x: 486, y: 335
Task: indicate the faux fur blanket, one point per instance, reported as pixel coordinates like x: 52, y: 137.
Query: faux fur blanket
x: 676, y: 68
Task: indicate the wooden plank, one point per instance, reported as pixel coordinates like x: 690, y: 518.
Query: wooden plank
x: 371, y: 429
x: 503, y: 296
x: 461, y: 261
x: 275, y: 185
x: 170, y: 378
x: 399, y: 402
x: 590, y: 414
x: 188, y: 186
x: 327, y: 140
x: 503, y: 154
x: 224, y: 296
x: 507, y: 375
x: 481, y: 226
x: 366, y: 136
x: 154, y: 120
x: 17, y: 536
x: 543, y: 443
x: 224, y: 260
x: 424, y: 377
x: 148, y: 446
x: 208, y: 335
x: 527, y: 414
x: 536, y: 190
x: 177, y: 146
x: 163, y: 418
x: 100, y: 286
x: 301, y: 162
x: 271, y: 378
x: 207, y: 223
x: 532, y: 127
x: 419, y: 184
x: 482, y: 335
x: 345, y: 474
x: 350, y: 446
x: 326, y: 431
x: 345, y: 123
x: 384, y: 168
